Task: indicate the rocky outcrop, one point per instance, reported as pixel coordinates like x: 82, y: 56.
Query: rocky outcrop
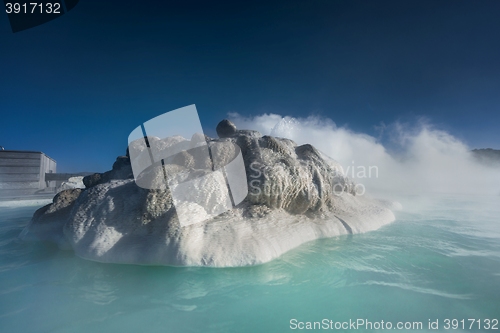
x: 121, y: 170
x: 71, y: 183
x: 296, y: 194
x: 48, y: 222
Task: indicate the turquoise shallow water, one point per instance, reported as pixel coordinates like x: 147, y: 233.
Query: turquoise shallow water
x: 440, y: 260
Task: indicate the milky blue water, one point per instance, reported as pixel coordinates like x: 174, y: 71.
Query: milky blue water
x: 440, y: 260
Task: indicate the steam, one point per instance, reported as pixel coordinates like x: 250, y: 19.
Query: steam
x: 421, y: 158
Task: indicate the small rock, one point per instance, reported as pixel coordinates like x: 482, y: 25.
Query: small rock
x: 226, y: 129
x: 120, y: 162
x: 71, y: 183
x: 92, y: 180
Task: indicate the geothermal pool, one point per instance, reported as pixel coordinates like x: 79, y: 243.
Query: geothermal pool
x: 440, y: 260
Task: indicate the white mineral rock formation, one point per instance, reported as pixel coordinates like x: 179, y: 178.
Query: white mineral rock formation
x: 296, y: 194
x: 72, y: 182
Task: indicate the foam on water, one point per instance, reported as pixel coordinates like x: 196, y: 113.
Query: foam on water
x: 439, y: 260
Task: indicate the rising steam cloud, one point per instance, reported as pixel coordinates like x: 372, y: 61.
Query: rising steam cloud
x: 422, y: 159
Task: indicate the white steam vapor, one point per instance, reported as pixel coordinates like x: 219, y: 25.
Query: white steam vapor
x: 427, y: 160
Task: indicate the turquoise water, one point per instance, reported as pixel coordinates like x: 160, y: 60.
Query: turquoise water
x: 440, y: 260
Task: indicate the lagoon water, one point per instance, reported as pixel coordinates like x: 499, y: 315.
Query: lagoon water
x: 440, y: 260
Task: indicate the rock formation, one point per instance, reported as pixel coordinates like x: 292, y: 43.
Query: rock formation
x: 296, y: 194
x: 71, y: 183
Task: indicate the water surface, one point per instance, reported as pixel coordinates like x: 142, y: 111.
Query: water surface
x: 440, y: 260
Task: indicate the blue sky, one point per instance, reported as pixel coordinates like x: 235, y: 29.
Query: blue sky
x: 76, y: 87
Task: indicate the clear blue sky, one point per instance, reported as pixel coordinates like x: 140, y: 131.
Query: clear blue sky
x: 75, y: 87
